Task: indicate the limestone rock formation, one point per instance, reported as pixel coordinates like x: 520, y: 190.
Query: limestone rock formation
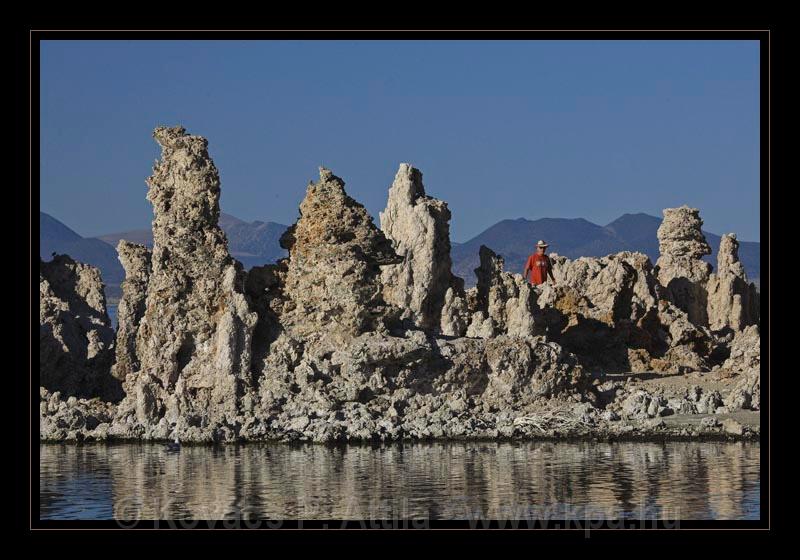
x: 391, y: 387
x: 135, y: 260
x: 745, y: 358
x: 688, y: 346
x: 418, y: 226
x: 523, y: 369
x: 746, y: 392
x: 332, y: 283
x: 75, y: 335
x: 745, y: 350
x: 680, y: 268
x: 194, y: 339
x: 363, y: 334
x: 732, y: 301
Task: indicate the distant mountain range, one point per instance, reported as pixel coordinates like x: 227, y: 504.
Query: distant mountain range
x: 256, y: 243
x: 573, y: 238
x: 252, y: 244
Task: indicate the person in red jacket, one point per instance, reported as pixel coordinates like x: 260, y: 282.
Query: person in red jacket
x: 538, y: 266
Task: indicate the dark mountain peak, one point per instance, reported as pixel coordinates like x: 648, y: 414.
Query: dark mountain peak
x: 638, y: 220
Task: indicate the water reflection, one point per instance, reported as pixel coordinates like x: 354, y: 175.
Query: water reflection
x: 440, y: 481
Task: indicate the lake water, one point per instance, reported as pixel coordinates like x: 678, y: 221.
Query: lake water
x: 531, y: 480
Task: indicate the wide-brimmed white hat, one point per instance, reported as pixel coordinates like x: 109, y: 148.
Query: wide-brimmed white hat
x: 542, y: 244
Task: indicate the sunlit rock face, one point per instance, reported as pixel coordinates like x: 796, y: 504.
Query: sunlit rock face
x: 733, y: 302
x: 419, y: 228
x: 610, y: 312
x: 745, y: 359
x: 194, y: 339
x: 332, y: 284
x: 680, y: 268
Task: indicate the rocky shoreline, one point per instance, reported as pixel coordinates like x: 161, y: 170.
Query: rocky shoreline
x: 364, y: 334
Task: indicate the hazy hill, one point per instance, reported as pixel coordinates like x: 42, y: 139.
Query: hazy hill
x: 55, y: 237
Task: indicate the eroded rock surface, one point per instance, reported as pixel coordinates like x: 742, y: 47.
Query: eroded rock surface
x: 732, y: 301
x: 67, y: 418
x: 504, y: 302
x: 135, y: 260
x: 363, y: 334
x: 333, y: 283
x: 609, y: 311
x: 409, y: 386
x: 419, y: 228
x: 681, y: 269
x: 194, y: 340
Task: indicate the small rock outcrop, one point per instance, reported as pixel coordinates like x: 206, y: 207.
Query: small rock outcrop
x: 680, y: 268
x: 68, y: 418
x: 456, y: 313
x: 504, y: 302
x: 419, y: 228
x: 332, y: 283
x: 745, y: 350
x: 745, y: 358
x: 135, y: 260
x: 76, y: 341
x: 746, y: 392
x: 619, y: 287
x: 194, y: 340
x: 732, y: 301
x: 688, y: 346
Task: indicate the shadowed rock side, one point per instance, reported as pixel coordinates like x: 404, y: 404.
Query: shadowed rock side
x: 365, y: 334
x: 135, y: 260
x: 76, y: 341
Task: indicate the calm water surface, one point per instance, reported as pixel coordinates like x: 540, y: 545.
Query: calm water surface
x: 532, y: 480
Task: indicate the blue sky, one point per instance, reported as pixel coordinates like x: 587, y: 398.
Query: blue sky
x: 500, y: 129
